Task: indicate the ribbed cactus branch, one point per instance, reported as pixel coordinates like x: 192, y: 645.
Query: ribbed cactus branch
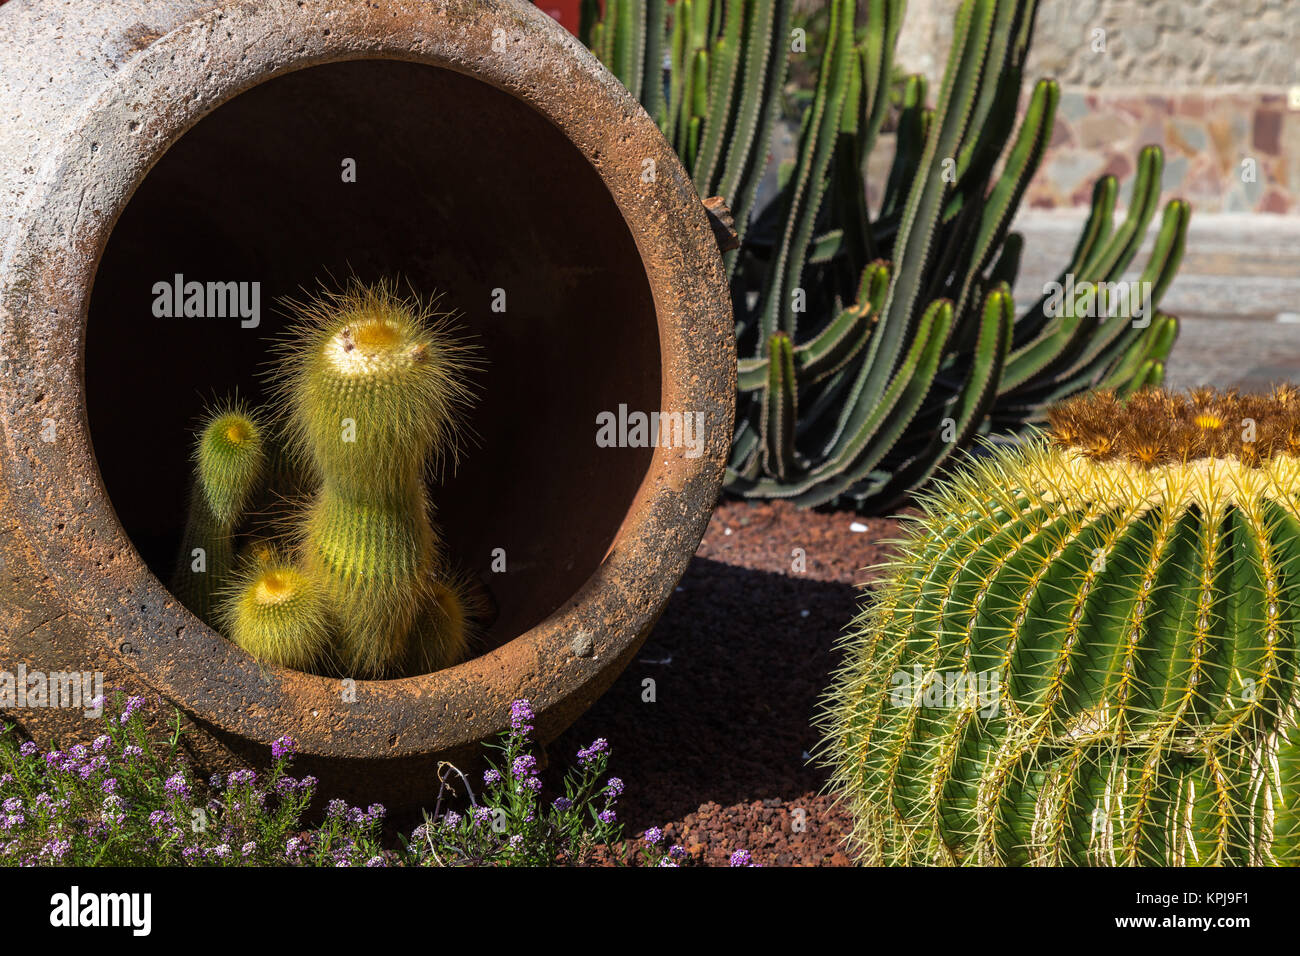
x: 230, y: 459
x: 941, y: 234
x: 1085, y: 650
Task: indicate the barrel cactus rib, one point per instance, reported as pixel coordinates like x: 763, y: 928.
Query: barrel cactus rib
x: 1134, y: 604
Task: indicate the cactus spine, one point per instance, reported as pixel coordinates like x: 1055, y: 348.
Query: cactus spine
x: 230, y: 459
x: 373, y: 386
x: 819, y: 272
x: 1085, y: 652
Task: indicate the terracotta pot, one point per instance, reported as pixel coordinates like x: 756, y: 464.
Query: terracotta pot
x: 495, y: 161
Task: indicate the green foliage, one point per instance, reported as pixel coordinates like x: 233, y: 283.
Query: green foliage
x: 129, y: 799
x: 1078, y: 658
x: 509, y: 824
x: 817, y: 267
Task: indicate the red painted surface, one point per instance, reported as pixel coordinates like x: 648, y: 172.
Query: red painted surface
x: 566, y: 11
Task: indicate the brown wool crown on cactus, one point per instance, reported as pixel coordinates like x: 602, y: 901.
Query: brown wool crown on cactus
x: 1084, y: 651
x: 1156, y: 427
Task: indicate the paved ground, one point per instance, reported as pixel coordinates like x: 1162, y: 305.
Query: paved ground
x: 1238, y: 294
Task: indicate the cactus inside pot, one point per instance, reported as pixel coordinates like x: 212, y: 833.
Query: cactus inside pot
x: 229, y: 464
x: 373, y: 389
x: 1085, y: 650
x: 370, y: 390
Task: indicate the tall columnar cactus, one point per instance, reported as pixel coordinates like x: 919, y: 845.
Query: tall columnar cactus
x: 905, y: 345
x: 1085, y: 651
x: 373, y: 387
x: 229, y: 464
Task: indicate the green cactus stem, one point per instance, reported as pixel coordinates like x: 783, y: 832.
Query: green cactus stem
x: 1085, y: 649
x: 229, y: 465
x: 374, y: 386
x: 277, y: 613
x: 960, y: 170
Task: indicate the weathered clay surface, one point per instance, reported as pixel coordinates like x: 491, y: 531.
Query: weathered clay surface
x: 97, y: 93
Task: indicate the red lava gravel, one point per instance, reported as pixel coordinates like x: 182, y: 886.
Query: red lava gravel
x: 739, y: 661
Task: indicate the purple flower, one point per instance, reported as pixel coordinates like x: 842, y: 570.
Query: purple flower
x: 668, y: 862
x: 158, y: 818
x: 283, y: 747
x: 176, y: 785
x: 516, y: 841
x: 491, y: 776
x: 741, y: 858
x: 131, y: 751
x: 376, y: 861
x: 375, y: 813
x: 293, y: 847
x: 615, y: 787
x: 109, y: 785
x: 53, y: 758
x: 13, y: 805
x: 57, y: 848
x: 28, y: 748
x: 336, y: 809
x: 607, y: 816
x: 587, y: 754
x: 653, y: 836
x: 677, y: 852
x: 308, y: 782
x: 562, y: 803
x: 521, y: 716
x: 524, y: 764
x: 133, y: 704
x: 248, y: 849
x: 215, y: 781
x: 222, y: 851
x: 240, y: 777
x: 102, y: 741
x: 450, y: 818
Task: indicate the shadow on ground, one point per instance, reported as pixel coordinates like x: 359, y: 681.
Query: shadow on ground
x: 738, y: 663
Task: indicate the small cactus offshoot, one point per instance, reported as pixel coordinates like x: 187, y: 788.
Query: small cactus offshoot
x: 230, y: 459
x: 1085, y: 651
x: 370, y: 391
x: 277, y: 612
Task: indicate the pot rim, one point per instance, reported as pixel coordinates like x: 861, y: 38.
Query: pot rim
x: 62, y: 505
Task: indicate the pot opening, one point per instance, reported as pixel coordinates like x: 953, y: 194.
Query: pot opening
x: 460, y: 189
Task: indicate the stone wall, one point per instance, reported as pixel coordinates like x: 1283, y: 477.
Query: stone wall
x: 1215, y: 82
